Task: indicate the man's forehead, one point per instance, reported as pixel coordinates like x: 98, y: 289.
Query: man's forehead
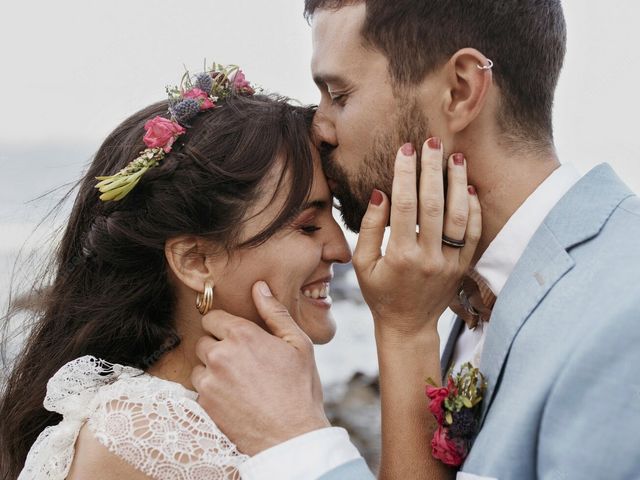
x: 336, y: 36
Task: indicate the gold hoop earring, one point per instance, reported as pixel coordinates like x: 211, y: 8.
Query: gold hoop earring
x: 204, y: 301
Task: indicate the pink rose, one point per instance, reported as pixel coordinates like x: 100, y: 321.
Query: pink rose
x: 240, y: 82
x: 201, y: 96
x: 161, y: 132
x: 437, y: 395
x: 445, y: 450
x: 452, y: 387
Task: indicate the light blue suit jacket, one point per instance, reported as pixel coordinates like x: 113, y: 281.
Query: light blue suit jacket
x: 562, y: 352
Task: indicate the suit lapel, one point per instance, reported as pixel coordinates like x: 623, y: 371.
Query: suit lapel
x: 578, y: 217
x: 543, y: 264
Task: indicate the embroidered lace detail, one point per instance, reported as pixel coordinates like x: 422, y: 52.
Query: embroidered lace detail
x: 155, y: 425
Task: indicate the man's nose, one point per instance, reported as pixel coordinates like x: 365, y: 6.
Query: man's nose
x: 324, y: 129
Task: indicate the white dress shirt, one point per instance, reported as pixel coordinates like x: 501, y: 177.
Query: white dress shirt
x: 504, y: 252
x: 316, y: 453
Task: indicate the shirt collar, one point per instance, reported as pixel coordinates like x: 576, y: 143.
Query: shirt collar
x: 502, y: 255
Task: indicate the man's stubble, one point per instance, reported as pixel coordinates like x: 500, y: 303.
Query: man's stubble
x: 376, y: 170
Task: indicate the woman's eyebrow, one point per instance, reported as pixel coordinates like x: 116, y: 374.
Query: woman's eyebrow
x: 315, y: 204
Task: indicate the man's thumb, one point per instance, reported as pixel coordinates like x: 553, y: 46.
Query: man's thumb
x: 276, y: 315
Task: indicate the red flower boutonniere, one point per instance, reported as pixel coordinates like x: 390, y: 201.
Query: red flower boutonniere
x: 456, y: 408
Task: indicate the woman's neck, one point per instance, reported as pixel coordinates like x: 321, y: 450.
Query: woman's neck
x: 177, y: 364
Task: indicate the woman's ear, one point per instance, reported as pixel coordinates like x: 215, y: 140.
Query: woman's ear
x: 188, y: 259
x: 469, y: 77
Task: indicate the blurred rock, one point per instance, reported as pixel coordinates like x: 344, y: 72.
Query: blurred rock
x: 355, y: 406
x: 344, y: 285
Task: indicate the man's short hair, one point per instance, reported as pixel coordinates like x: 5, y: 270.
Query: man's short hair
x: 525, y: 38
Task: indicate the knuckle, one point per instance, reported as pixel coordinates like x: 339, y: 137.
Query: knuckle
x: 242, y: 332
x: 405, y: 204
x: 400, y: 259
x: 432, y: 207
x: 433, y: 165
x: 473, y: 236
x: 212, y: 357
x: 435, y: 267
x: 368, y: 223
x: 458, y: 218
x: 405, y: 168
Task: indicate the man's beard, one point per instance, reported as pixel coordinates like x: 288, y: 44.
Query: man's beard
x: 376, y: 171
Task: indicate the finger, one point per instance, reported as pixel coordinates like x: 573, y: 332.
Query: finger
x: 197, y: 374
x: 474, y: 229
x: 277, y: 317
x: 404, y: 199
x: 457, y: 207
x: 219, y: 324
x: 369, y: 246
x: 204, y: 346
x: 431, y: 195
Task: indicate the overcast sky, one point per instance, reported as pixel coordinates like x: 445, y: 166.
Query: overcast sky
x: 72, y: 69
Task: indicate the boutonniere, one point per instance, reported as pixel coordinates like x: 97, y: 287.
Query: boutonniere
x: 456, y: 408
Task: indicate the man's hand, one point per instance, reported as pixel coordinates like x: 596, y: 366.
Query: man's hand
x: 409, y: 287
x: 260, y: 389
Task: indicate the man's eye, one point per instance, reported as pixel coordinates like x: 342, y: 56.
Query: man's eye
x: 338, y: 99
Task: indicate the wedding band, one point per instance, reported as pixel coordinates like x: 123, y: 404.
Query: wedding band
x: 450, y: 242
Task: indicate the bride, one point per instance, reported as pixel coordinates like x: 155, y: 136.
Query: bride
x: 198, y: 198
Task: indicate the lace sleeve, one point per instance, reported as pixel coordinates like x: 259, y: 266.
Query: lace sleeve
x: 164, y: 434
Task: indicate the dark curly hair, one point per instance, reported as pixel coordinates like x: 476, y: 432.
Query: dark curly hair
x: 110, y: 296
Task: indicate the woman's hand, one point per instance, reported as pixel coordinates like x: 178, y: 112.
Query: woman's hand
x: 409, y: 287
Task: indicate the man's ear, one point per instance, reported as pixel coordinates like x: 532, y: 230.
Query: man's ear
x: 189, y: 260
x: 468, y: 84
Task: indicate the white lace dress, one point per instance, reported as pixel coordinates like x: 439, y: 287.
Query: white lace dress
x: 153, y: 424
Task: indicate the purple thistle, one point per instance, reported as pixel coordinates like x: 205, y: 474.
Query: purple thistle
x: 464, y: 424
x: 185, y: 110
x: 204, y: 82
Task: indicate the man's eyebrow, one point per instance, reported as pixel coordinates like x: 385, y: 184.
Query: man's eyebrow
x: 324, y: 79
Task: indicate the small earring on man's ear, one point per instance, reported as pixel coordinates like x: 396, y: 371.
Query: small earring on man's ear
x: 488, y: 66
x: 204, y: 301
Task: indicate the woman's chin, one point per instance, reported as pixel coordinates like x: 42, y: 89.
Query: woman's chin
x: 320, y: 331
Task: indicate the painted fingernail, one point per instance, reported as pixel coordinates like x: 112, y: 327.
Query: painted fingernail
x: 408, y: 150
x: 434, y: 143
x: 264, y: 289
x: 472, y: 190
x: 458, y: 159
x: 377, y: 198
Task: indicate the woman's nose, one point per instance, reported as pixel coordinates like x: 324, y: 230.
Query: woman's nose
x: 336, y: 248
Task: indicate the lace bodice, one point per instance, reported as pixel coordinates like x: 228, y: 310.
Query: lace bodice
x: 153, y: 424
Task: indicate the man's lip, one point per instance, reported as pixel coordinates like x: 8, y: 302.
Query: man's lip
x: 332, y: 184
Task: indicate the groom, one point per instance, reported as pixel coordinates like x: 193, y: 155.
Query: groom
x: 561, y: 253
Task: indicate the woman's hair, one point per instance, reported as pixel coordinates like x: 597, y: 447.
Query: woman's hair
x: 110, y: 296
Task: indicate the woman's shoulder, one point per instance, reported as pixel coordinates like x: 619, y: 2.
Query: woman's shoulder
x: 157, y: 426
x: 94, y: 460
x: 118, y: 418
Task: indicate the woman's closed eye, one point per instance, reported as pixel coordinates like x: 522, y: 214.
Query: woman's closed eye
x: 309, y: 229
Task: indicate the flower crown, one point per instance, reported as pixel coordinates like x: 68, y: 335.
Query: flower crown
x: 194, y: 95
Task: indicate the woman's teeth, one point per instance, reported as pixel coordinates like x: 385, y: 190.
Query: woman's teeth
x: 317, y: 293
